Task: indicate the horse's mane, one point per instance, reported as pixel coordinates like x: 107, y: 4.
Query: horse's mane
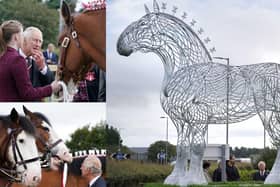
x: 193, y: 47
x: 74, y: 166
x: 23, y: 122
x: 92, y: 11
x: 43, y: 117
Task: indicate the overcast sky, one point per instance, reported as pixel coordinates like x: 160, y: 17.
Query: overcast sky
x: 245, y: 31
x: 64, y: 117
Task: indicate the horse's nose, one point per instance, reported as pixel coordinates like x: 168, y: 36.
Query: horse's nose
x: 36, y: 179
x: 122, y: 48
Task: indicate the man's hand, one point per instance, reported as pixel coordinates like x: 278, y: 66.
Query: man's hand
x: 39, y: 59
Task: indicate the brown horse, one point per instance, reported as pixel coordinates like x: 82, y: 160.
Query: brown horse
x: 83, y: 42
x: 51, y: 178
x: 47, y: 140
x: 19, y: 160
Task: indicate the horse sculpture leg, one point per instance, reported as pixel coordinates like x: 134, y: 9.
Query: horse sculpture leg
x: 180, y: 169
x: 198, y: 145
x: 271, y: 123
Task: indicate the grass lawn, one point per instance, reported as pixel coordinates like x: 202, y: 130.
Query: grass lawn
x: 222, y: 184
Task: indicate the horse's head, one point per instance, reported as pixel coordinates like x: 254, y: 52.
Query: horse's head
x: 48, y: 140
x: 18, y: 146
x: 82, y: 43
x: 142, y: 34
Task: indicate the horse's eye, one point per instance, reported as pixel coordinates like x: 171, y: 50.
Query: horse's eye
x: 142, y: 23
x: 21, y: 140
x: 46, y: 129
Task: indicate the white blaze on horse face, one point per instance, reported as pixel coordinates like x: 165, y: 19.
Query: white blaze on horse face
x: 28, y: 149
x: 60, y: 149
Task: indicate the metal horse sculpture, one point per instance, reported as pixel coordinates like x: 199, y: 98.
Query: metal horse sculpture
x: 19, y: 160
x: 83, y: 42
x: 194, y: 89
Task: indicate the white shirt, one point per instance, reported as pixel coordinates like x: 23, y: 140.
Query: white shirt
x: 93, y: 180
x: 43, y: 71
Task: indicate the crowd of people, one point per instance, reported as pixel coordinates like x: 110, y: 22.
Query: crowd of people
x: 24, y: 71
x: 232, y: 172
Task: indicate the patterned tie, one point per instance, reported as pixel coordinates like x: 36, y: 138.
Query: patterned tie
x: 29, y: 62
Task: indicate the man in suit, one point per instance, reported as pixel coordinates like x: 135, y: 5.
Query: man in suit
x: 49, y: 54
x: 262, y: 173
x: 91, y: 171
x: 39, y: 72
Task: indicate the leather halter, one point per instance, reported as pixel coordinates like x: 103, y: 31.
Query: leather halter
x: 72, y: 33
x: 10, y: 172
x: 46, y: 157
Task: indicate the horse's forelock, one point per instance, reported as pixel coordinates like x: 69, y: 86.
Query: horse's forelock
x: 43, y: 117
x: 27, y: 126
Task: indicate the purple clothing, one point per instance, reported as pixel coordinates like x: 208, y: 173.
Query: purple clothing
x: 15, y: 84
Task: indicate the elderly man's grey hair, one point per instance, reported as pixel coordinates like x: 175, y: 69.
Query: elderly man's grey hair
x: 93, y: 163
x: 29, y: 30
x: 261, y: 162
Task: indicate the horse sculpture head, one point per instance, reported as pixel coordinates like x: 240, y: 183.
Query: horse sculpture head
x: 173, y: 40
x: 48, y: 141
x: 19, y: 160
x: 141, y: 35
x: 82, y: 43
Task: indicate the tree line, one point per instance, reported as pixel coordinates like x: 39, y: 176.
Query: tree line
x: 41, y: 14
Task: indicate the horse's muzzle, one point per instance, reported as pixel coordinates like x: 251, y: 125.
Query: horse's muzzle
x: 122, y: 49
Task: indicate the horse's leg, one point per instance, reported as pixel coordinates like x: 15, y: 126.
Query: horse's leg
x: 180, y: 169
x: 198, y: 145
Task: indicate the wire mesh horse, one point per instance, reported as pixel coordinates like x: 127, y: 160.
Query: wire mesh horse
x: 82, y: 43
x: 194, y: 89
x: 19, y: 160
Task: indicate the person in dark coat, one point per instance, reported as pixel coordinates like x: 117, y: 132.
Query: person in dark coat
x: 217, y: 174
x: 15, y: 84
x: 91, y: 169
x: 39, y: 72
x: 231, y: 170
x: 261, y: 174
x: 50, y: 56
x: 93, y: 87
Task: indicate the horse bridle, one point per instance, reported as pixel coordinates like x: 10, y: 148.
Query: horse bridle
x: 47, y: 155
x: 10, y: 172
x: 72, y: 33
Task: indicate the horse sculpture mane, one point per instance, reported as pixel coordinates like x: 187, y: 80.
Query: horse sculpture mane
x: 196, y: 91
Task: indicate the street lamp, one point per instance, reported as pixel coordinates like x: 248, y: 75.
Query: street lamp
x: 227, y: 59
x: 223, y: 162
x: 120, y: 139
x: 166, y: 137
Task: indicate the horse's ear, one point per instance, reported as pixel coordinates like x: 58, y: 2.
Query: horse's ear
x: 14, y: 116
x: 26, y: 111
x: 66, y: 13
x: 147, y: 9
x: 156, y: 7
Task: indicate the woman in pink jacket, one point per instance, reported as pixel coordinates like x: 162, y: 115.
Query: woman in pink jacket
x: 15, y: 84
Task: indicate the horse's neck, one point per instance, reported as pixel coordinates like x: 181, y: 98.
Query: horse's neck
x: 181, y: 47
x: 181, y: 41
